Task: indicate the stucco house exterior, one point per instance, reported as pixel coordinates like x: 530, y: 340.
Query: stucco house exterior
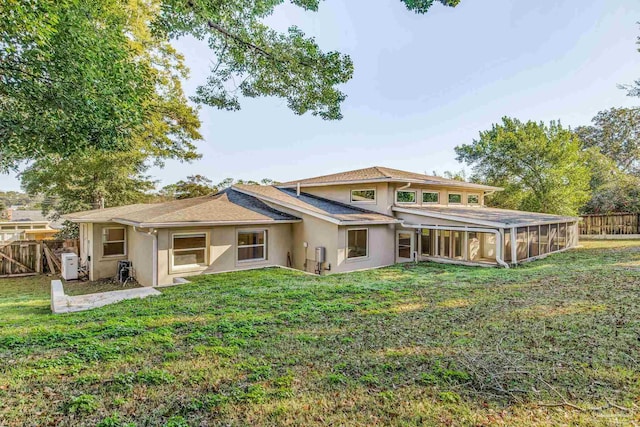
x: 348, y: 221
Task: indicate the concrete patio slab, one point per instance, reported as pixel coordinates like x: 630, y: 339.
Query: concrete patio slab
x: 61, y: 303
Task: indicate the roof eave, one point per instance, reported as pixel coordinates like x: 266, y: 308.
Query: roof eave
x: 449, y: 217
x: 175, y: 224
x: 293, y: 184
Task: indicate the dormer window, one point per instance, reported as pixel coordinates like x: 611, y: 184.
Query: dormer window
x: 406, y: 197
x: 363, y: 196
x: 430, y: 197
x: 455, y: 198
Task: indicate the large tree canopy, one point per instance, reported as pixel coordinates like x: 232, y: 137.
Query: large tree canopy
x: 616, y: 133
x: 78, y: 74
x: 541, y: 167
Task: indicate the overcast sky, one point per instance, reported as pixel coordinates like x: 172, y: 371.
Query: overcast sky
x: 422, y: 85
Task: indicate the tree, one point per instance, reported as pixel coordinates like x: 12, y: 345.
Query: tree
x: 616, y: 133
x: 194, y: 186
x: 72, y: 78
x: 93, y: 177
x: 88, y: 180
x: 542, y: 168
x: 68, y: 79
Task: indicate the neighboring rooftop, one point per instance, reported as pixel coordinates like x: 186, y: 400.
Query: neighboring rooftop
x: 328, y: 209
x: 33, y: 215
x: 226, y: 207
x: 500, y: 217
x: 382, y: 174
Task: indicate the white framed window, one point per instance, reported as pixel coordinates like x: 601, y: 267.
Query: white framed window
x: 363, y: 196
x: 357, y: 243
x: 473, y: 199
x: 430, y: 197
x: 403, y: 196
x: 189, y: 250
x: 455, y: 198
x: 114, y: 241
x: 252, y: 245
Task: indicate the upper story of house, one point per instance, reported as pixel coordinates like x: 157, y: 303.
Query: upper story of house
x: 380, y: 189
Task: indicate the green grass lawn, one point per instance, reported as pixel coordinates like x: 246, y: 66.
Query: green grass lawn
x: 554, y: 342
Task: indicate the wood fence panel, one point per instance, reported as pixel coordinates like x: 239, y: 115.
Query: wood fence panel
x: 610, y: 224
x: 26, y: 257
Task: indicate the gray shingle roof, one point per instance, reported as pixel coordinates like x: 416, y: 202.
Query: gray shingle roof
x: 318, y: 205
x: 382, y: 174
x: 228, y: 206
x: 505, y: 217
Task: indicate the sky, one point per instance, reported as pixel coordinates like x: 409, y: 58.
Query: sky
x: 422, y: 85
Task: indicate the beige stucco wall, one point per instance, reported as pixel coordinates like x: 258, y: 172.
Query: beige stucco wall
x: 342, y: 193
x: 381, y: 251
x: 386, y: 195
x: 140, y: 253
x: 222, y: 254
x: 103, y: 267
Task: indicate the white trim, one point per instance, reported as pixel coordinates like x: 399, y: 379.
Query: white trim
x: 177, y: 269
x: 453, y: 183
x: 449, y: 202
x: 200, y: 223
x: 264, y: 245
x: 449, y: 217
x: 375, y: 196
x: 430, y: 192
x: 412, y: 245
x: 124, y: 242
x: 359, y: 258
x: 415, y: 202
x: 470, y: 195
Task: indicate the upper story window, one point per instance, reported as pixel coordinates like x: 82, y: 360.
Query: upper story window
x: 406, y: 196
x: 473, y: 199
x: 430, y: 197
x: 363, y: 196
x: 455, y: 198
x: 252, y: 245
x: 189, y: 250
x: 114, y: 241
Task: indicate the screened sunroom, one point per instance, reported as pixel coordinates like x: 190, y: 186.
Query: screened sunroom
x: 484, y: 236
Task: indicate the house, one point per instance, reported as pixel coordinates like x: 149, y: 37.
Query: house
x: 26, y: 225
x: 335, y: 223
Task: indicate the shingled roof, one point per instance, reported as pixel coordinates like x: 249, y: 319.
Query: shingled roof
x: 225, y: 208
x: 330, y: 210
x: 382, y: 174
x: 503, y: 218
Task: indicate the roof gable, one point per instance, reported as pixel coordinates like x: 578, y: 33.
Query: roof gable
x: 383, y: 174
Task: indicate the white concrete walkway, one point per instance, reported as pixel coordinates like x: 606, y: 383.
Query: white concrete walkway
x: 61, y: 303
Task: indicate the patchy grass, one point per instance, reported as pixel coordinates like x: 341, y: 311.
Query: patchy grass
x: 556, y: 341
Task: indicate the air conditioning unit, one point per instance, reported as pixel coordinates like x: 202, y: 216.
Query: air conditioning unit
x: 69, y: 266
x: 124, y: 271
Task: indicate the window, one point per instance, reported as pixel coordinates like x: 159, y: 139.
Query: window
x: 363, y: 196
x: 430, y: 197
x: 473, y: 199
x: 455, y: 198
x: 425, y: 242
x: 113, y: 241
x: 406, y: 196
x: 357, y: 243
x: 190, y: 250
x: 252, y: 245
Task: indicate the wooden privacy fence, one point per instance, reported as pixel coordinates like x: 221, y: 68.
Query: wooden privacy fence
x: 31, y: 257
x: 610, y: 224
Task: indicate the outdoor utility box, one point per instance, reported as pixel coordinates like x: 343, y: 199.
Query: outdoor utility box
x: 70, y: 266
x: 321, y: 254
